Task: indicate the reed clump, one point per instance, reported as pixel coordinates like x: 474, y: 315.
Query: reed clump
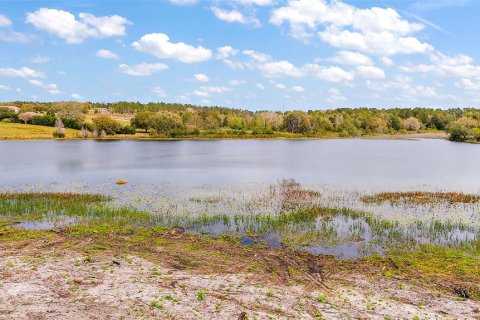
x: 421, y: 198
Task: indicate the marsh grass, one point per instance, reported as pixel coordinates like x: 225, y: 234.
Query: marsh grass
x: 421, y: 198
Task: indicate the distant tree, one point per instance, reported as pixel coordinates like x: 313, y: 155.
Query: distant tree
x: 59, y: 129
x: 142, y: 120
x: 26, y: 116
x: 296, y: 122
x: 106, y: 124
x: 163, y: 122
x: 412, y: 124
x: 458, y: 133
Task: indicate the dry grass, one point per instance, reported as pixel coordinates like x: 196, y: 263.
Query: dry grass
x: 19, y: 131
x: 421, y: 197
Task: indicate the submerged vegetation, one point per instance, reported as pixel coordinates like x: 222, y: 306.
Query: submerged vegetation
x: 171, y: 120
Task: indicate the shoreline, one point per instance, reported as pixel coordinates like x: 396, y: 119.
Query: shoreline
x: 408, y: 136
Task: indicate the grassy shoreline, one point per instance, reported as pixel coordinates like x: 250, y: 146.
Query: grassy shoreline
x: 15, y: 131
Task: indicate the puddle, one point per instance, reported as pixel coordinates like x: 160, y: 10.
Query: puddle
x: 345, y: 250
x: 43, y: 224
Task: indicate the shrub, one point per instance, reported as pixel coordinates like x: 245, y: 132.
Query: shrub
x: 127, y: 130
x: 58, y: 135
x: 458, y: 133
x: 104, y: 123
x: 48, y: 121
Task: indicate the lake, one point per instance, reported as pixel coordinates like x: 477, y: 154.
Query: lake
x: 359, y: 163
x: 353, y: 162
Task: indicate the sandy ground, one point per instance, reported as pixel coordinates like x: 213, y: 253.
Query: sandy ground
x: 71, y: 285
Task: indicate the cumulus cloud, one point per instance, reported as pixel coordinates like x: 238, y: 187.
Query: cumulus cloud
x: 330, y: 74
x: 370, y: 72
x: 225, y: 52
x: 297, y: 89
x: 351, y: 58
x: 4, y: 21
x: 183, y: 2
x: 234, y: 16
x: 374, y: 30
x: 66, y: 26
x: 255, y: 2
x: 160, y: 46
x: 23, y: 72
x: 106, y: 54
x: 50, y: 87
x: 142, y: 69
x: 460, y: 65
x: 335, y: 96
x: 201, y: 77
x: 271, y: 68
x: 76, y: 96
x: 2, y: 87
x: 159, y: 92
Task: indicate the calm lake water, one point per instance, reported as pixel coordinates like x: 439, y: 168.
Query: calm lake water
x: 354, y: 162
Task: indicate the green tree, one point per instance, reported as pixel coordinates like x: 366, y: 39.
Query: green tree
x: 106, y: 124
x: 164, y: 122
x: 142, y: 120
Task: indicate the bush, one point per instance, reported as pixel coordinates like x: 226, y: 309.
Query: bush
x: 458, y: 133
x: 8, y: 115
x: 48, y: 121
x: 73, y: 123
x: 127, y: 130
x: 58, y: 135
x: 104, y: 123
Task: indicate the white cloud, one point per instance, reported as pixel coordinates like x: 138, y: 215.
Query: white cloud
x: 335, y: 96
x: 331, y: 74
x: 76, y: 96
x: 297, y: 89
x: 468, y: 84
x: 370, y: 72
x: 183, y: 2
x: 280, y: 86
x: 106, y: 54
x: 214, y: 89
x: 40, y: 59
x: 386, y: 61
x: 2, y: 87
x: 373, y: 30
x: 4, y: 21
x: 66, y: 26
x: 351, y: 58
x: 201, y: 77
x: 461, y: 66
x: 237, y: 82
x: 234, y: 16
x: 200, y: 93
x: 229, y: 16
x: 255, y: 2
x: 23, y: 72
x: 260, y: 86
x: 159, y: 45
x: 51, y: 87
x: 142, y: 69
x: 270, y: 68
x: 226, y: 52
x: 159, y: 92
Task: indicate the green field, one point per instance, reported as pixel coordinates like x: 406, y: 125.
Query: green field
x: 27, y: 131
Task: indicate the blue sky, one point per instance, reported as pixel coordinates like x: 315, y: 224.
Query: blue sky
x: 253, y: 54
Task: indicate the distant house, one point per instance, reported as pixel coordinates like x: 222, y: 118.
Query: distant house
x: 11, y: 108
x: 101, y: 110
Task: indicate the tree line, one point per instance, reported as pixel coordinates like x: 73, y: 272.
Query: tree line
x: 183, y: 120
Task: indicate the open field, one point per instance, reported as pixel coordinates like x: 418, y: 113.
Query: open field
x: 18, y: 131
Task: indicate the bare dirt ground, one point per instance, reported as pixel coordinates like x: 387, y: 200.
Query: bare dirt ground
x: 68, y: 284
